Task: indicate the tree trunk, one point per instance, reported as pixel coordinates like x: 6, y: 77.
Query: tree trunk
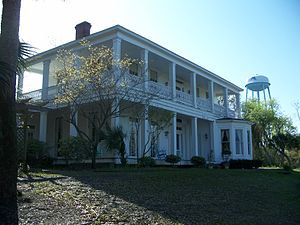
x: 9, y: 45
x: 94, y: 154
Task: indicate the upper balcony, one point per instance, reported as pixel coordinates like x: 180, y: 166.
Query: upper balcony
x: 170, y: 80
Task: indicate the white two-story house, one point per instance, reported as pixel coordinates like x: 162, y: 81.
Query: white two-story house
x: 205, y: 106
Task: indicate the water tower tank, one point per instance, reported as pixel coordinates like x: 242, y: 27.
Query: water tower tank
x: 258, y: 84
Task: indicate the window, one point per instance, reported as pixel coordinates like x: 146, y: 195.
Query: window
x: 154, y: 141
x: 92, y: 128
x: 249, y: 142
x: 153, y: 75
x: 239, y: 144
x: 132, y: 142
x: 133, y: 69
x: 198, y: 92
x: 225, y: 137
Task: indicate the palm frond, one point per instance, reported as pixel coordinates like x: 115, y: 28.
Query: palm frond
x: 114, y: 137
x: 25, y: 51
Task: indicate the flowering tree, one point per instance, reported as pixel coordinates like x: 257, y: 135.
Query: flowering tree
x: 92, y: 84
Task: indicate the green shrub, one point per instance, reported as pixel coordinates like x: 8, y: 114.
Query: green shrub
x: 74, y: 148
x: 146, y: 161
x: 198, y: 161
x: 244, y: 164
x: 287, y: 167
x: 173, y: 159
x: 35, y: 152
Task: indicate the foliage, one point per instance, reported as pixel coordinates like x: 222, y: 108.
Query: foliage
x: 173, y: 159
x: 287, y: 167
x: 115, y: 141
x: 75, y: 148
x: 271, y: 129
x: 244, y: 164
x: 35, y: 151
x: 198, y: 161
x: 146, y: 161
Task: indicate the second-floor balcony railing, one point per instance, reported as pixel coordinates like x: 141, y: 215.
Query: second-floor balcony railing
x: 160, y: 89
x: 155, y: 88
x: 184, y: 98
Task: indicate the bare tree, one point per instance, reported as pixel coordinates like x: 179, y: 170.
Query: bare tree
x: 158, y: 120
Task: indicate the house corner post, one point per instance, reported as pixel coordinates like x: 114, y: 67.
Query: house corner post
x: 173, y: 133
x: 211, y: 95
x: 43, y: 126
x: 172, y: 79
x: 195, y: 135
x: 45, y: 84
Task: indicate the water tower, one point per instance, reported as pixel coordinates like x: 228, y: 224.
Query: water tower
x: 257, y: 84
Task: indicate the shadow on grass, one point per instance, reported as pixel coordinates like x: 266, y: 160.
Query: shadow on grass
x: 202, y: 196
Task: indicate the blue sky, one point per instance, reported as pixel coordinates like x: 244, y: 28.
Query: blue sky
x: 235, y: 39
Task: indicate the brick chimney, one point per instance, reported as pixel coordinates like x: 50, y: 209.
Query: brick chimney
x: 82, y: 30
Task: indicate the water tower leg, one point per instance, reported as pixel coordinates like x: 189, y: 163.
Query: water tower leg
x: 252, y: 94
x: 264, y: 95
x: 246, y: 94
x: 269, y: 93
x: 258, y: 96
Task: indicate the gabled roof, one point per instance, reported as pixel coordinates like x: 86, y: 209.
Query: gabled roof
x: 118, y: 30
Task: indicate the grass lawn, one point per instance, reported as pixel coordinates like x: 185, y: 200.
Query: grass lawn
x: 175, y: 196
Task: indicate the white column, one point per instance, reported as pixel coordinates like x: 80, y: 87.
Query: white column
x: 172, y: 78
x: 43, y: 127
x: 211, y: 95
x: 195, y: 135
x: 74, y: 119
x: 46, y: 68
x: 226, y: 101
x: 20, y: 85
x: 213, y: 139
x: 146, y: 142
x: 193, y: 89
x: 116, y: 50
x: 238, y: 105
x: 173, y: 134
x: 116, y: 58
x: 145, y: 69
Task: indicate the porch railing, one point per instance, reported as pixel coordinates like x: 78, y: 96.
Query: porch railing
x: 203, y: 104
x: 219, y: 110
x: 34, y: 95
x: 184, y: 98
x: 159, y: 89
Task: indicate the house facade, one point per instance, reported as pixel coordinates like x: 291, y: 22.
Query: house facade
x: 205, y: 107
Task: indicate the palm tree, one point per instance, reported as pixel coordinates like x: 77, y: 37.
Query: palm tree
x: 115, y: 140
x: 9, y: 48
